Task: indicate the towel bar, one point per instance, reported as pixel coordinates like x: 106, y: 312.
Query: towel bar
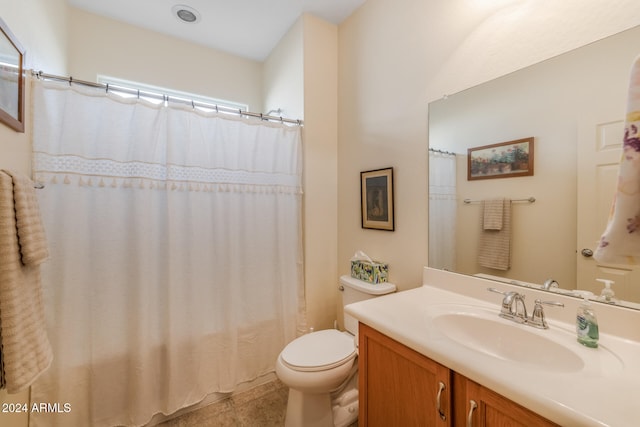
x: 530, y: 200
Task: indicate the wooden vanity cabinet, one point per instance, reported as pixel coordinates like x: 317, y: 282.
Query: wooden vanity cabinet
x: 490, y: 409
x: 401, y: 387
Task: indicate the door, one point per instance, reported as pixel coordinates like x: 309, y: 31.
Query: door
x: 600, y: 148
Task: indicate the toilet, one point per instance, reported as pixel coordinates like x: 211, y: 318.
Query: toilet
x: 320, y: 368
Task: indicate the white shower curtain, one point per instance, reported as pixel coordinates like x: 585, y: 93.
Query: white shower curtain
x: 442, y: 210
x: 176, y: 253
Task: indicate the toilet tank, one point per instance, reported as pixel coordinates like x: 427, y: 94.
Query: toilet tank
x: 354, y: 290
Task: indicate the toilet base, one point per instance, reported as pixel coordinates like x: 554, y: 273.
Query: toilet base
x: 339, y: 409
x: 308, y: 410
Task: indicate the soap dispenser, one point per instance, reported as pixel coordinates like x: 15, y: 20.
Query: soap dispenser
x: 587, y: 324
x: 607, y: 294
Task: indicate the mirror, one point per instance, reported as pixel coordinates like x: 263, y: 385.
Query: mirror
x: 570, y: 105
x: 11, y: 80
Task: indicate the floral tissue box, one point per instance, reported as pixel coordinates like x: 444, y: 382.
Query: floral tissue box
x: 369, y: 271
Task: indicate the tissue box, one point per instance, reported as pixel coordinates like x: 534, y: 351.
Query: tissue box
x: 370, y: 271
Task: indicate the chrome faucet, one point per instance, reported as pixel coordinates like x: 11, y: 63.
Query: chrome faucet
x: 515, y: 309
x: 550, y: 283
x: 513, y: 306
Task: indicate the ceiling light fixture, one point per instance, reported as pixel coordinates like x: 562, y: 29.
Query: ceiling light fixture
x: 186, y: 13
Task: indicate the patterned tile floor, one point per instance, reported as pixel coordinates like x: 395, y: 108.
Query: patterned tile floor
x: 262, y: 406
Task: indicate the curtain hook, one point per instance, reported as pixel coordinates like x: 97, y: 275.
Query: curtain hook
x: 193, y: 104
x: 107, y: 88
x: 138, y: 93
x: 70, y: 80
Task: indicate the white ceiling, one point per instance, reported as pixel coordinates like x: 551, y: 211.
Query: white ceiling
x: 248, y: 28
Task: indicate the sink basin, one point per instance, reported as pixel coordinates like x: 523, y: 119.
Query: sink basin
x: 505, y: 340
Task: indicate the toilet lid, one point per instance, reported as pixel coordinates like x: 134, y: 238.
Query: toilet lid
x: 319, y: 351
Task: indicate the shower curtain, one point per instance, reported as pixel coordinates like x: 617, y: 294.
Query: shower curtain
x: 442, y: 210
x: 176, y: 252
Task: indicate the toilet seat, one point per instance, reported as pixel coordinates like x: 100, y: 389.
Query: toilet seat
x: 319, y: 351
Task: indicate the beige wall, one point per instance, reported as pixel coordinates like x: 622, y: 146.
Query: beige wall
x: 99, y: 45
x: 395, y: 57
x: 301, y: 78
x: 283, y: 75
x: 321, y: 170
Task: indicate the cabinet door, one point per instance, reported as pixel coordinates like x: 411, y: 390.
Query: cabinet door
x: 478, y: 406
x: 398, y: 386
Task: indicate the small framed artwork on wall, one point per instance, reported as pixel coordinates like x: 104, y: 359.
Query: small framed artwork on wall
x: 11, y: 80
x: 377, y: 199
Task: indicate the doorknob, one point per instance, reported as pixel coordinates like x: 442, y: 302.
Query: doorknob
x: 586, y: 252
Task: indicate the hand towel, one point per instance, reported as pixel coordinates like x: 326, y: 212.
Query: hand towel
x: 492, y: 214
x: 620, y: 243
x: 24, y: 346
x: 33, y: 245
x: 495, y: 245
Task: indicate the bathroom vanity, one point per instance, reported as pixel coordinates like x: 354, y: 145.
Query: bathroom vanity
x: 441, y: 355
x: 399, y: 386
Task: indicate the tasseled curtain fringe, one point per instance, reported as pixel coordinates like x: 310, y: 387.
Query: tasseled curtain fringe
x: 151, y: 184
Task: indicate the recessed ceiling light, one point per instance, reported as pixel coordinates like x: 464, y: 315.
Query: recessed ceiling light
x: 186, y: 13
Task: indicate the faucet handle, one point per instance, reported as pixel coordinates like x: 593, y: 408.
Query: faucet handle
x: 537, y: 317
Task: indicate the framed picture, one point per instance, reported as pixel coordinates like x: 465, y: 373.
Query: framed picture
x: 377, y: 199
x: 11, y: 79
x: 503, y: 160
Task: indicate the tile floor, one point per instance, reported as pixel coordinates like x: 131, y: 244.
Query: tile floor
x: 262, y: 406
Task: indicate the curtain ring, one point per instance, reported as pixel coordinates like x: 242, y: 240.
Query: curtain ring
x: 107, y: 88
x: 70, y: 80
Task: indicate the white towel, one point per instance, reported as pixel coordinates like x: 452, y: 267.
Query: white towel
x: 25, y: 350
x: 495, y: 245
x: 620, y: 243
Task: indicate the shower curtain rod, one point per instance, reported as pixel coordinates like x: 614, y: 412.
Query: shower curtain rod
x: 166, y: 98
x: 435, y: 150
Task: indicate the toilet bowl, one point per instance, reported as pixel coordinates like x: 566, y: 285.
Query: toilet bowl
x: 314, y: 367
x: 320, y: 368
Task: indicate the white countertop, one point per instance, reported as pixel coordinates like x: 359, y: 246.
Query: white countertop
x: 606, y: 396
